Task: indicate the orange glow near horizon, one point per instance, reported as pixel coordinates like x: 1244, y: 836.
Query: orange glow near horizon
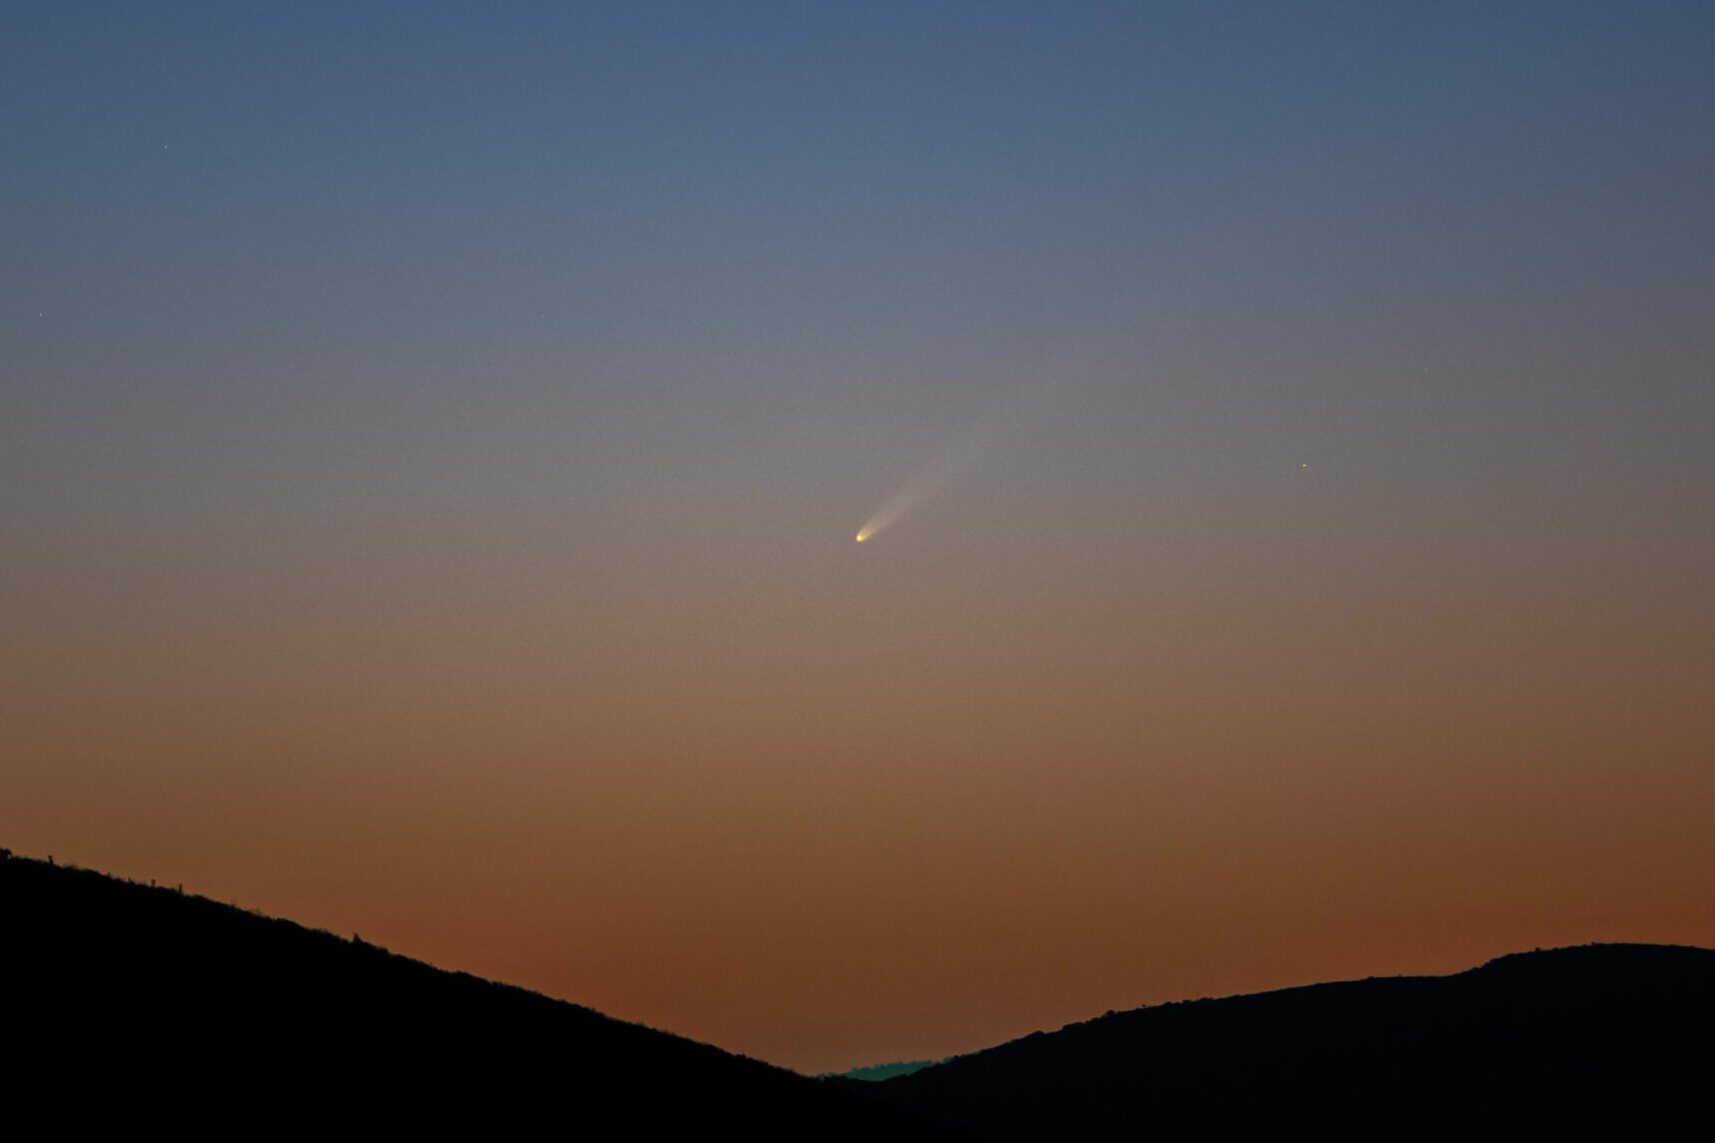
x: 999, y: 804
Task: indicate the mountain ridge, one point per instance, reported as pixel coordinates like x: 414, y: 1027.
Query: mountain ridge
x: 1588, y: 1032
x: 127, y: 1002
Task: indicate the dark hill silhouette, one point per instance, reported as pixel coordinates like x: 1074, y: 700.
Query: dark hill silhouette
x: 124, y: 1006
x: 1619, y: 1035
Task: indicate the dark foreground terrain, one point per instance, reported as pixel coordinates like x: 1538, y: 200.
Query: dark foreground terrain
x: 1617, y: 1038
x: 125, y: 1008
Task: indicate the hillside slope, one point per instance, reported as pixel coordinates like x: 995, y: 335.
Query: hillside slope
x: 1618, y: 1034
x: 125, y: 1004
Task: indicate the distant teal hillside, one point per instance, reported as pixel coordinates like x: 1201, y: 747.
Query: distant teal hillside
x: 875, y: 1073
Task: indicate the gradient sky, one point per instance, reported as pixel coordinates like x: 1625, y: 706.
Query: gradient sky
x: 432, y: 438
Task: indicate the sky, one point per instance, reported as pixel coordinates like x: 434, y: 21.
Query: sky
x: 433, y: 437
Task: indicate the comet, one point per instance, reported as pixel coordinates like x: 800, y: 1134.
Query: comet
x: 950, y: 463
